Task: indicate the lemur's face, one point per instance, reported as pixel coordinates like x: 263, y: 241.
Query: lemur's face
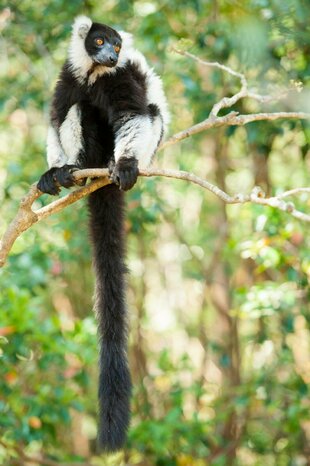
x: 103, y: 45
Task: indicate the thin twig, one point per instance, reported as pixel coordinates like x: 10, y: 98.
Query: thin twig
x: 244, y: 92
x: 232, y: 119
x: 293, y: 192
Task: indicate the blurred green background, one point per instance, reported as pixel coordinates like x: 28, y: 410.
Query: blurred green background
x: 218, y: 295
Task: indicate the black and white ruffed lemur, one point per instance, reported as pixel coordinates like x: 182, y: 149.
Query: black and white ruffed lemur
x: 109, y: 110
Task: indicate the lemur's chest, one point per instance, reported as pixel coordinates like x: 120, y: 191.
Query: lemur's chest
x: 99, y: 96
x: 125, y: 88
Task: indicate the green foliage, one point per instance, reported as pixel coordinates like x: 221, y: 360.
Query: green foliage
x: 44, y: 364
x: 218, y: 295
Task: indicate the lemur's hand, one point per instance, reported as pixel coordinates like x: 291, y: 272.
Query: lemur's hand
x: 125, y: 172
x: 52, y: 180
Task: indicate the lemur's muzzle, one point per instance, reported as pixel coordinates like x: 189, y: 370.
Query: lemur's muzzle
x: 106, y: 56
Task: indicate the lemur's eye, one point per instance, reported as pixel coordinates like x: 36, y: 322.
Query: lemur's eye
x: 117, y: 48
x: 99, y: 41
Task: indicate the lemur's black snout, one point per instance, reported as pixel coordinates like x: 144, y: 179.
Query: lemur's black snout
x: 112, y: 59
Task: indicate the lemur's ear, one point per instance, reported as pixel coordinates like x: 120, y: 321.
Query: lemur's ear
x: 81, y: 26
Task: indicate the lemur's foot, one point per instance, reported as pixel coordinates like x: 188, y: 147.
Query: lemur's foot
x: 125, y: 172
x: 52, y: 180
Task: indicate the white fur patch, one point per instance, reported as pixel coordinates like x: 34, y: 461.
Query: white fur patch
x: 80, y: 61
x: 54, y: 152
x: 126, y: 49
x: 156, y: 95
x: 81, y: 26
x: 70, y: 134
x: 138, y: 138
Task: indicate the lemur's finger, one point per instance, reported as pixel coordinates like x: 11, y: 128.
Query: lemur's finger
x: 64, y: 175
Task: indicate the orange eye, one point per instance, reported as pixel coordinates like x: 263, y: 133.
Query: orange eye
x: 99, y: 41
x: 117, y: 48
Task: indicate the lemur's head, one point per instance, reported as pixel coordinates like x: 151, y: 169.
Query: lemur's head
x: 93, y: 45
x: 103, y: 44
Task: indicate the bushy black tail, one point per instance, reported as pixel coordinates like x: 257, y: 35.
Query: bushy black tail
x: 106, y: 226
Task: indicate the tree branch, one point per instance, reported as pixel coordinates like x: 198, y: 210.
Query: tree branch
x: 244, y: 90
x: 232, y: 119
x: 26, y: 216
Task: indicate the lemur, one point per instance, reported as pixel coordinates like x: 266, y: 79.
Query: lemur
x: 109, y: 110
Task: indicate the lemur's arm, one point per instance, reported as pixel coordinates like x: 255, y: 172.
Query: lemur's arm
x: 138, y: 127
x: 64, y: 141
x: 138, y: 135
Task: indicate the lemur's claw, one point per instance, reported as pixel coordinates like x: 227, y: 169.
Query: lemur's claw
x: 51, y: 181
x: 125, y: 172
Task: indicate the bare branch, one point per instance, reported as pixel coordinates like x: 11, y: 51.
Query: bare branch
x: 232, y: 119
x: 26, y: 217
x: 227, y: 102
x: 213, y: 64
x: 292, y: 192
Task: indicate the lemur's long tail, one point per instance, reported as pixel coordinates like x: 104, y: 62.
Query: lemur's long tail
x: 106, y: 226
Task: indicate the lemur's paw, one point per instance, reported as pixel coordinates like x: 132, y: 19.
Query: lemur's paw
x: 125, y: 172
x: 51, y: 181
x: 47, y: 183
x: 64, y: 176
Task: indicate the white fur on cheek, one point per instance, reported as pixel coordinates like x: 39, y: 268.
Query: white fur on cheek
x: 126, y: 49
x: 54, y: 152
x: 80, y: 61
x: 71, y: 134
